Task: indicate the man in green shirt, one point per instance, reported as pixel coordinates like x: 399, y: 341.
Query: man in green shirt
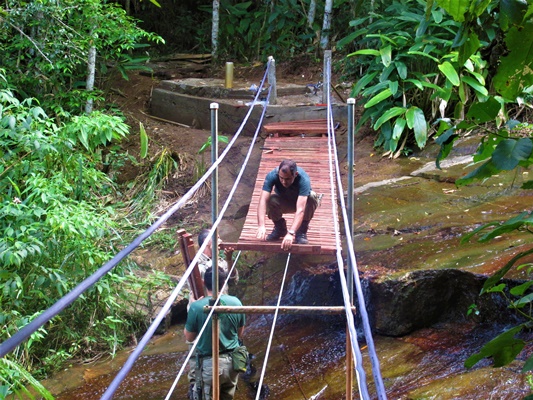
x: 231, y: 331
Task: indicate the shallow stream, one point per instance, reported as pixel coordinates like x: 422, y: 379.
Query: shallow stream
x: 405, y: 230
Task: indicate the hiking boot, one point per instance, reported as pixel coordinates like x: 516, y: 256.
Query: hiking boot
x: 301, y: 233
x: 301, y: 238
x: 279, y: 231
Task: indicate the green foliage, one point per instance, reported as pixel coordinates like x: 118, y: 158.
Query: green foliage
x: 252, y: 31
x: 144, y: 192
x: 442, y: 56
x: 12, y: 377
x: 45, y: 47
x: 410, y: 70
x: 505, y: 347
x: 144, y: 141
x: 57, y: 228
x: 95, y: 130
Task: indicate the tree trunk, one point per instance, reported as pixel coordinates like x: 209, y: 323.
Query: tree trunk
x: 91, y: 67
x: 214, y: 32
x: 311, y: 13
x: 324, y: 40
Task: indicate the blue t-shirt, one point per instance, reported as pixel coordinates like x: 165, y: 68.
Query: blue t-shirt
x: 229, y: 324
x: 300, y: 187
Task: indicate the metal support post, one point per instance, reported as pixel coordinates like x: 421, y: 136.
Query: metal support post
x: 349, y: 210
x: 214, y: 247
x: 271, y: 77
x: 326, y: 76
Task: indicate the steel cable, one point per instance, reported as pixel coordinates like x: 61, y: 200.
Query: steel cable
x: 358, y: 359
x: 151, y: 330
x: 267, y: 352
x: 25, y: 332
x: 380, y: 388
x: 204, y: 326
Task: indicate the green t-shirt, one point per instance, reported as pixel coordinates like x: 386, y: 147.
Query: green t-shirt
x: 229, y: 325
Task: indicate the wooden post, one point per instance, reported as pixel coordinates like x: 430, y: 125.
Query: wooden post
x: 196, y: 283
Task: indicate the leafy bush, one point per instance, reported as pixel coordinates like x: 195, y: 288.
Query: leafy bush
x: 45, y: 47
x: 58, y: 229
x: 414, y: 72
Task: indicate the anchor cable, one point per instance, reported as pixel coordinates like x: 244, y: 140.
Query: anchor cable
x: 204, y: 327
x: 358, y: 359
x: 267, y: 352
x: 380, y: 388
x: 128, y: 365
x: 12, y: 342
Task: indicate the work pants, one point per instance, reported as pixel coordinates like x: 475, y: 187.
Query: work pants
x: 278, y: 205
x: 227, y: 377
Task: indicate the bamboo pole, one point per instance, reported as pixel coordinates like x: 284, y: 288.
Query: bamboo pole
x: 214, y: 245
x: 282, y: 309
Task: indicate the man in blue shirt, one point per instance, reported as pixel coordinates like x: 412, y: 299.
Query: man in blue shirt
x: 231, y: 331
x: 292, y: 194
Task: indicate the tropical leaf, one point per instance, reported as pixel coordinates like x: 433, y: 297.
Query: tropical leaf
x: 365, y: 52
x: 510, y: 152
x: 386, y: 55
x: 389, y: 114
x: 456, y: 8
x: 474, y: 84
x: 515, y: 71
x: 417, y: 122
x: 503, y: 349
x: 449, y: 71
x: 446, y: 144
x: 385, y: 94
x: 485, y: 111
x: 399, y: 126
x: 144, y: 141
x: 484, y: 171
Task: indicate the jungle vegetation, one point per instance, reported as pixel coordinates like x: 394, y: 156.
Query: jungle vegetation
x: 424, y: 70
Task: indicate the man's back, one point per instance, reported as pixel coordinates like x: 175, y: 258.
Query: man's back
x: 229, y: 324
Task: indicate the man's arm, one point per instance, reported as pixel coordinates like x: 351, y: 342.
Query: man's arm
x: 240, y: 333
x: 189, y: 336
x: 286, y: 244
x: 261, y: 212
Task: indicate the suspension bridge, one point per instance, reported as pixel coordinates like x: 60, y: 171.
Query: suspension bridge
x: 312, y: 144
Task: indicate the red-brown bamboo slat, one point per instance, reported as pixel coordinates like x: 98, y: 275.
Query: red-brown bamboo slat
x: 306, y: 127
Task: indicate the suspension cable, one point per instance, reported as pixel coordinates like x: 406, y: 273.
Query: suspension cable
x: 380, y: 388
x: 358, y: 359
x: 230, y: 195
x: 267, y: 352
x: 25, y: 332
x: 128, y: 365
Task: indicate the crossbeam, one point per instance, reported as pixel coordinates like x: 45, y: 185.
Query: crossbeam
x: 281, y: 309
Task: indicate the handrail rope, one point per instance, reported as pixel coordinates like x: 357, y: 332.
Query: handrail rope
x: 230, y: 195
x: 204, y: 327
x: 21, y: 335
x: 15, y: 340
x: 151, y: 330
x: 380, y: 388
x: 267, y: 351
x: 358, y: 359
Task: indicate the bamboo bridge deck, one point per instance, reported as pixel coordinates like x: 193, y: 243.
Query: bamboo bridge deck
x: 311, y: 154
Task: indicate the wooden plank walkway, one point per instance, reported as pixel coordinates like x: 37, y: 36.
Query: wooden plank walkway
x: 311, y: 154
